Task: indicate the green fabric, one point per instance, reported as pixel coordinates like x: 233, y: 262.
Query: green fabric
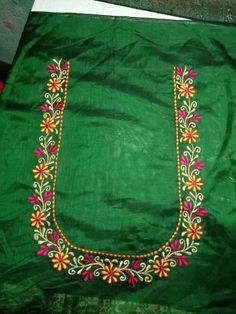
x: 116, y: 183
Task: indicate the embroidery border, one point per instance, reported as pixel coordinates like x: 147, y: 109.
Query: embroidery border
x: 127, y: 268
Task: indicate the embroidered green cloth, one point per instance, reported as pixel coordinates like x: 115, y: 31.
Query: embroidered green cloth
x: 120, y: 132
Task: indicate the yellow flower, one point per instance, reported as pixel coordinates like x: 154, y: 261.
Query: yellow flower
x: 110, y: 274
x: 161, y: 268
x: 186, y: 90
x: 60, y: 261
x: 190, y: 135
x: 54, y: 85
x: 194, y: 183
x: 48, y: 125
x: 37, y: 219
x: 194, y: 231
x: 41, y: 171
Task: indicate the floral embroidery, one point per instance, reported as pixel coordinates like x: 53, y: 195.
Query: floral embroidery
x: 110, y: 274
x: 41, y: 171
x: 194, y: 183
x: 194, y: 231
x: 190, y: 135
x: 186, y: 90
x: 54, y: 85
x: 37, y: 219
x: 114, y: 268
x: 60, y: 261
x: 161, y: 268
x: 48, y: 125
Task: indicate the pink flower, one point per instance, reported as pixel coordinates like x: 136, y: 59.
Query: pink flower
x: 43, y: 251
x: 201, y: 212
x: 196, y: 117
x: 182, y: 260
x: 52, y: 68
x: 184, y: 160
x: 132, y: 281
x: 33, y: 199
x: 192, y: 74
x: 87, y: 275
x: 44, y: 108
x: 38, y: 152
x: 182, y: 114
x: 47, y: 196
x: 53, y: 149
x: 88, y: 258
x: 1, y: 86
x: 59, y: 105
x: 135, y: 264
x: 199, y: 165
x: 64, y: 65
x: 188, y: 206
x: 179, y: 71
x: 54, y: 236
x: 175, y: 245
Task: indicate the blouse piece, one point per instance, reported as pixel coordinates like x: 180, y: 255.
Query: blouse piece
x: 120, y: 133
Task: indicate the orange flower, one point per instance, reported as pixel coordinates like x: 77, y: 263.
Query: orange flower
x: 54, y: 85
x: 194, y: 183
x: 48, y: 125
x: 194, y: 231
x: 60, y: 261
x: 161, y: 268
x: 41, y: 171
x: 186, y: 90
x: 110, y: 274
x: 190, y: 135
x: 37, y: 219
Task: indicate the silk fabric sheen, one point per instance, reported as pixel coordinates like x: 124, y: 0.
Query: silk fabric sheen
x: 117, y: 177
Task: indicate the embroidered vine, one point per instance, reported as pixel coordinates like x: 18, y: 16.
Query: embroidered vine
x: 118, y: 269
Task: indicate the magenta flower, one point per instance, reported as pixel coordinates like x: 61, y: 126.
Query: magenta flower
x: 179, y: 71
x: 44, y: 108
x: 182, y: 114
x: 52, y: 68
x: 87, y: 275
x: 182, y: 260
x: 135, y: 264
x: 59, y: 105
x: 54, y: 236
x: 47, y: 196
x: 201, y: 212
x: 43, y: 251
x: 132, y: 281
x: 38, y: 152
x: 53, y: 149
x: 184, y: 160
x: 196, y: 117
x: 199, y: 165
x: 64, y: 65
x: 192, y: 74
x: 188, y: 206
x: 175, y: 245
x: 88, y: 258
x: 33, y: 199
